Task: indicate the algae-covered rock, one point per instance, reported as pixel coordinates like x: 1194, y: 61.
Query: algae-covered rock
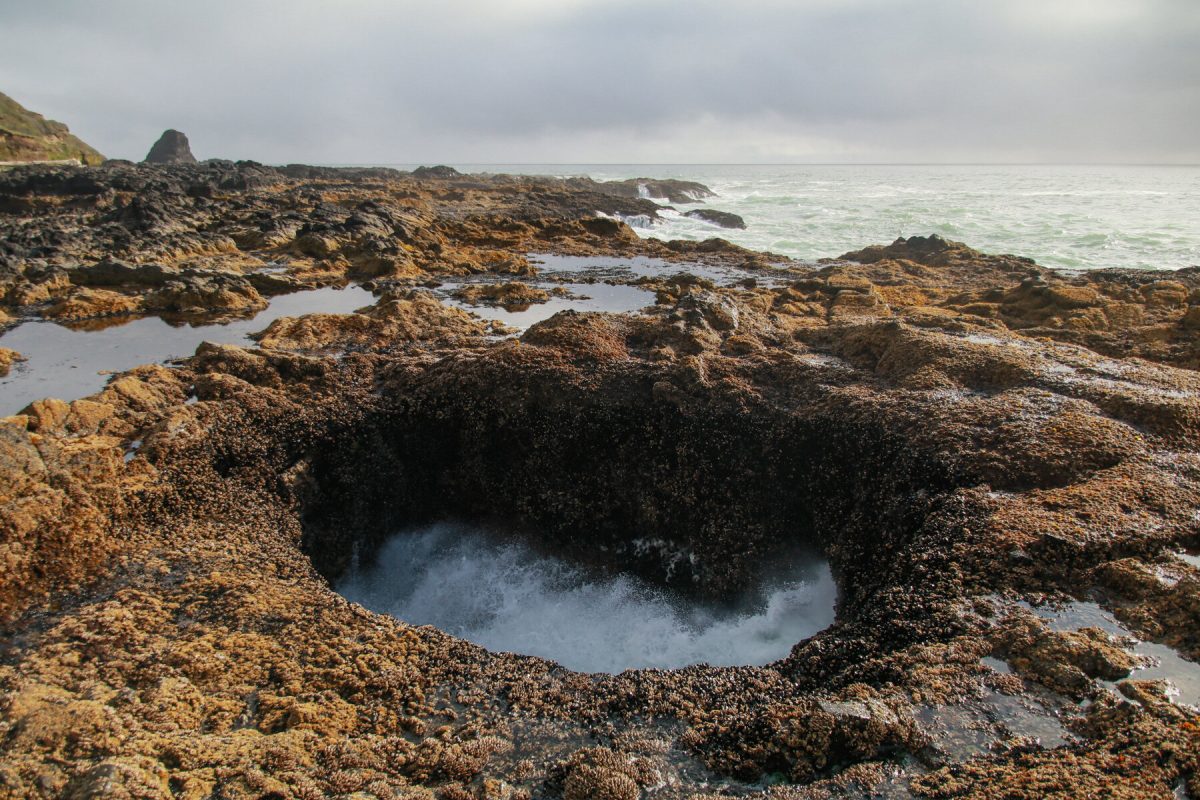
x: 28, y: 136
x: 7, y: 359
x: 954, y: 431
x: 722, y: 219
x: 511, y: 296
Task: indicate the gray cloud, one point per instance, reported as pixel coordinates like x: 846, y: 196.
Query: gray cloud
x: 585, y: 80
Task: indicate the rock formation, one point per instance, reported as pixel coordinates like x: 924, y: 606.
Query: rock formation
x: 723, y: 219
x: 976, y: 443
x: 672, y: 190
x: 171, y: 148
x: 7, y: 359
x: 512, y: 296
x: 440, y: 171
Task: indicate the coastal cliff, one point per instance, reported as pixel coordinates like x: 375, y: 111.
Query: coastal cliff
x: 28, y: 136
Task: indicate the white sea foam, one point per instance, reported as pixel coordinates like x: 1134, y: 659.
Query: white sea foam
x: 1068, y: 217
x: 637, y: 220
x: 506, y: 597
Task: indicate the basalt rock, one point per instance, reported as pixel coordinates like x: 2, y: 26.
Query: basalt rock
x: 91, y: 303
x: 722, y: 219
x: 512, y: 296
x: 171, y: 148
x: 7, y: 359
x: 671, y: 190
x: 399, y: 317
x: 441, y: 171
x: 198, y: 293
x: 968, y: 439
x: 112, y: 272
x: 133, y: 226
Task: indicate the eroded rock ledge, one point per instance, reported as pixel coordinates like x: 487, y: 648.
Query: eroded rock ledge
x: 962, y: 435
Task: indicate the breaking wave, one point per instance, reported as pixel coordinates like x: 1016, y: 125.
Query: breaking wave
x: 506, y: 597
x: 1064, y: 217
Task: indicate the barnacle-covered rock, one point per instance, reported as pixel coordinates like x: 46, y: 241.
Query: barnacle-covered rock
x: 955, y: 432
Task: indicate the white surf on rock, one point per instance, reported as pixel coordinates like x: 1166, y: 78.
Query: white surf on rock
x: 506, y: 597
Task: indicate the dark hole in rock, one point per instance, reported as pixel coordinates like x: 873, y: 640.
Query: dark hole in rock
x: 703, y: 501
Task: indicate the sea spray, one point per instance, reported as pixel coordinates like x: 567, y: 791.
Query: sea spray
x: 507, y: 597
x: 1067, y: 217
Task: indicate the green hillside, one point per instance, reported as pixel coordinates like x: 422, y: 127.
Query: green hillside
x: 27, y: 136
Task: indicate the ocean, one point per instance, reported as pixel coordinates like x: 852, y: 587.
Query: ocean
x: 500, y: 593
x: 1067, y: 217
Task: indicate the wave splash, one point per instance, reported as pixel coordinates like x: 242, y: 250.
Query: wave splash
x: 506, y: 597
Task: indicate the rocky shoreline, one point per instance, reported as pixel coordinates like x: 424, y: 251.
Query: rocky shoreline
x: 977, y: 444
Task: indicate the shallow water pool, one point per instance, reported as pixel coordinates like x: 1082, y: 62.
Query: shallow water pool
x: 610, y: 298
x: 69, y: 364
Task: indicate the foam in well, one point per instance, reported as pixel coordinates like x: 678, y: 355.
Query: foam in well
x: 506, y: 597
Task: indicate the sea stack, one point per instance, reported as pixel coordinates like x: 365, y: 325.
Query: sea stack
x: 171, y: 148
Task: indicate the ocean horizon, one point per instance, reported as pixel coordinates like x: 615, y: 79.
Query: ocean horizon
x: 1064, y: 216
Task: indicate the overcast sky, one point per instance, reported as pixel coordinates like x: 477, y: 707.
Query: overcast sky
x: 651, y: 81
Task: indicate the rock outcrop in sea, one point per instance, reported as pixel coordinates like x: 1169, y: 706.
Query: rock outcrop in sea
x: 1000, y: 462
x: 171, y: 148
x: 723, y: 219
x: 670, y: 189
x: 438, y: 171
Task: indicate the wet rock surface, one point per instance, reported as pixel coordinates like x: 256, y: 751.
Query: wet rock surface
x: 510, y: 295
x: 7, y: 359
x: 722, y: 219
x: 671, y: 190
x: 967, y: 438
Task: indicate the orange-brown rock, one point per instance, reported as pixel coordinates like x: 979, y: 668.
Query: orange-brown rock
x: 1065, y: 661
x: 397, y: 318
x: 1114, y: 312
x: 214, y: 294
x: 512, y: 295
x: 7, y: 359
x: 954, y: 431
x: 90, y: 303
